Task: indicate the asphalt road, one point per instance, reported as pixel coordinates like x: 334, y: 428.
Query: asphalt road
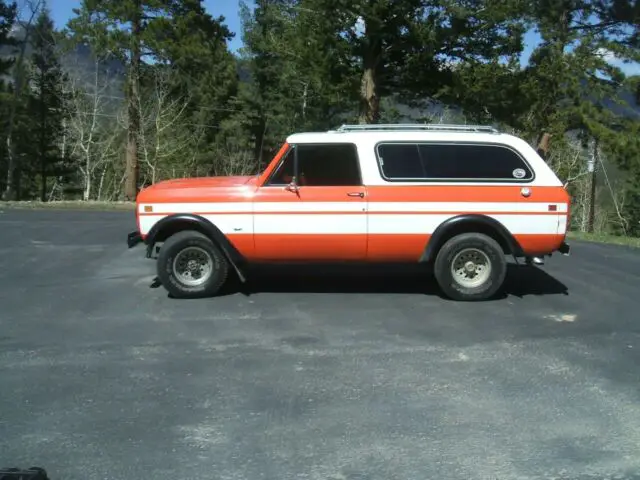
x: 321, y: 375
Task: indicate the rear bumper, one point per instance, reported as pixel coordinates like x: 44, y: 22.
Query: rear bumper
x: 564, y: 249
x: 133, y: 239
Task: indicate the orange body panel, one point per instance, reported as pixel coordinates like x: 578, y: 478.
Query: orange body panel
x: 396, y: 248
x: 292, y: 245
x: 540, y: 244
x: 310, y: 248
x: 465, y: 193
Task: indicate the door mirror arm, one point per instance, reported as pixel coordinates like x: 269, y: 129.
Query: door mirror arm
x: 293, y: 187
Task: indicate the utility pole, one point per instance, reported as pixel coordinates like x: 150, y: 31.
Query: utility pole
x: 592, y: 166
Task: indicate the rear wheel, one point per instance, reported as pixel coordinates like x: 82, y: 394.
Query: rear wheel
x: 470, y: 266
x: 190, y: 265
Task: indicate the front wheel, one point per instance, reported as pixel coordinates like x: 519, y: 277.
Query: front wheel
x: 190, y: 265
x: 470, y: 266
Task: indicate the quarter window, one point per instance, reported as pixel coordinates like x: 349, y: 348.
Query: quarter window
x: 413, y: 161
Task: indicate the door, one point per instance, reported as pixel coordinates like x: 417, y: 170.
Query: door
x: 313, y: 207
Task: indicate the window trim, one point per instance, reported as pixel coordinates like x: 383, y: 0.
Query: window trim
x: 267, y: 182
x: 293, y: 146
x: 449, y: 179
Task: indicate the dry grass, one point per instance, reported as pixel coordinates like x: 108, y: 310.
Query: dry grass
x: 605, y: 238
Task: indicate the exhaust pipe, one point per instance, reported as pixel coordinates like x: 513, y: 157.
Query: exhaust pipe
x: 535, y: 261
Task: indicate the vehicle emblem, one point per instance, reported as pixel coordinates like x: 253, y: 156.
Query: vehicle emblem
x: 519, y: 173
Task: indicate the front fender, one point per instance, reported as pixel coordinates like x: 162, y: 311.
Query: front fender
x: 188, y: 221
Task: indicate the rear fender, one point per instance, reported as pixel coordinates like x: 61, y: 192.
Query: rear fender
x: 471, y: 223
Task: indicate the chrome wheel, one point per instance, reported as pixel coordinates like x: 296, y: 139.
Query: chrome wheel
x: 471, y: 267
x: 193, y: 266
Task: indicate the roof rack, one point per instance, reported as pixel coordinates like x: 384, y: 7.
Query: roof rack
x: 433, y: 127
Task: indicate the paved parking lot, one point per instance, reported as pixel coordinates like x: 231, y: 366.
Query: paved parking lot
x: 334, y: 376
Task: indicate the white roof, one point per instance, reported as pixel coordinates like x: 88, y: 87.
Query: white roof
x: 408, y: 132
x: 406, y: 136
x: 367, y: 139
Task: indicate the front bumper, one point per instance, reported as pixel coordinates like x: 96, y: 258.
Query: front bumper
x: 133, y: 239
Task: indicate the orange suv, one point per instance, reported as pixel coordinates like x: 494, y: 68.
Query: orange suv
x: 458, y: 197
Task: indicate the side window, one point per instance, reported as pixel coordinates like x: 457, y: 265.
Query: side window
x: 401, y: 161
x: 452, y: 162
x: 321, y: 165
x: 485, y: 162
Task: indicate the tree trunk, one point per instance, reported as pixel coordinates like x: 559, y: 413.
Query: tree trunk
x: 43, y: 147
x: 369, y: 100
x: 369, y: 87
x: 11, y: 190
x: 543, y: 145
x: 258, y: 146
x: 43, y: 174
x: 132, y: 166
x: 592, y: 192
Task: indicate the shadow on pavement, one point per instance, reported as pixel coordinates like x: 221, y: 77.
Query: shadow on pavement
x: 521, y: 281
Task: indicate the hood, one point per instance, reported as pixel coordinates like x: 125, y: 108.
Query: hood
x: 200, y: 189
x: 204, y: 182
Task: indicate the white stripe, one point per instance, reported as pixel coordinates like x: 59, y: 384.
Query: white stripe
x: 355, y: 206
x: 200, y: 207
x: 292, y: 224
x: 562, y: 224
x: 233, y: 223
x: 310, y: 224
x: 475, y: 207
x: 416, y: 224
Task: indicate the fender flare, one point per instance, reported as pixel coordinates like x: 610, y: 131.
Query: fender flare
x: 201, y: 224
x: 449, y: 227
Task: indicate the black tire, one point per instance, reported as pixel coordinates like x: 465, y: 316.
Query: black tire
x: 470, y: 244
x: 170, y: 278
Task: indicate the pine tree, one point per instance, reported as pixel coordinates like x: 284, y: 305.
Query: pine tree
x: 618, y: 22
x: 300, y: 75
x: 410, y: 48
x: 46, y: 105
x: 7, y: 20
x: 204, y: 74
x: 266, y: 98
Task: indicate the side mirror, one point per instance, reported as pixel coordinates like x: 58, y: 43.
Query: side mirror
x: 293, y: 186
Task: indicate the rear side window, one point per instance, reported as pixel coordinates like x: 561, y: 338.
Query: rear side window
x: 458, y: 162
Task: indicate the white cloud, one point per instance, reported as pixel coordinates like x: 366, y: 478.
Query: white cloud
x: 606, y: 54
x: 628, y: 68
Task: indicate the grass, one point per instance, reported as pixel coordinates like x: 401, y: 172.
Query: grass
x: 605, y: 238
x: 69, y: 205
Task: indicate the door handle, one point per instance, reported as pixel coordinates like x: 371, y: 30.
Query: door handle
x: 356, y: 194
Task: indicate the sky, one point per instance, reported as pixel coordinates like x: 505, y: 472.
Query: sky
x: 62, y: 11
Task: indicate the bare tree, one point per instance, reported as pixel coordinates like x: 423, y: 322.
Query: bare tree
x: 569, y: 162
x: 91, y: 133
x: 231, y: 160
x: 163, y: 137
